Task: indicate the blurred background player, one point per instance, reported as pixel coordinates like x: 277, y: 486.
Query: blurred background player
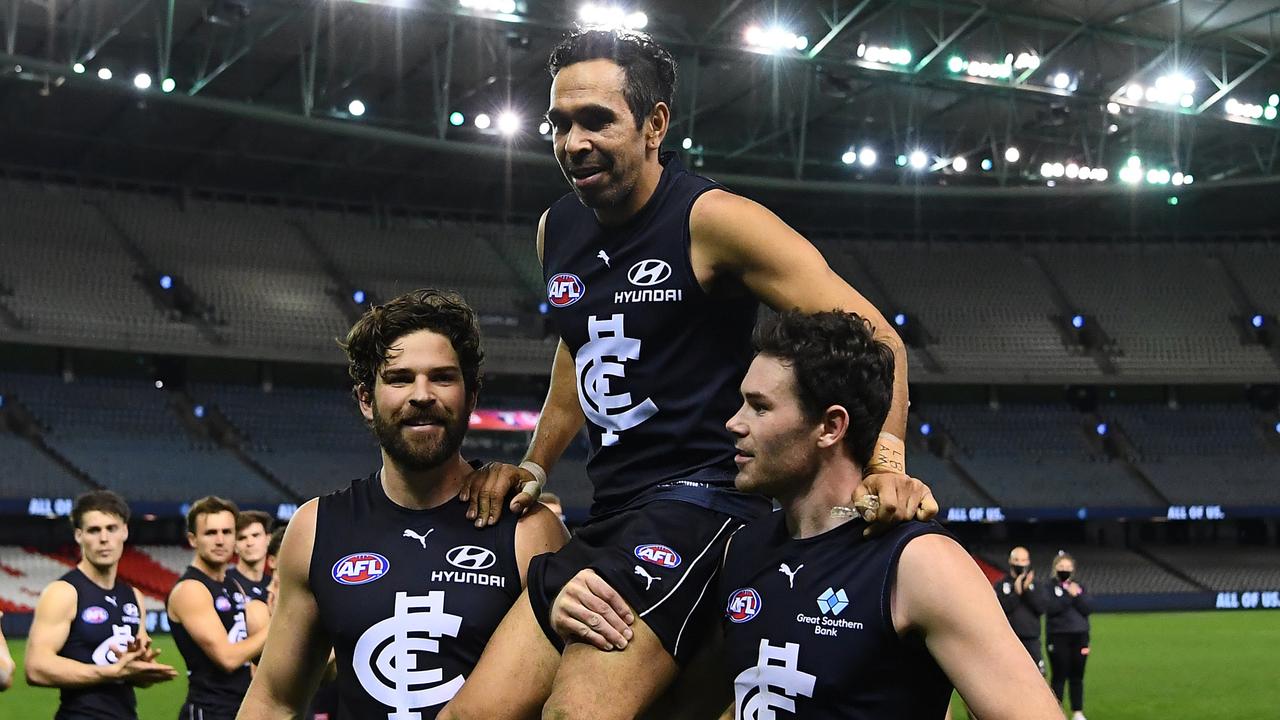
x: 88, y: 636
x: 253, y: 529
x: 1023, y: 602
x: 273, y: 561
x: 1068, y: 631
x: 7, y: 664
x: 216, y: 627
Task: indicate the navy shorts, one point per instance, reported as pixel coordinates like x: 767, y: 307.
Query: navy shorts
x: 661, y: 557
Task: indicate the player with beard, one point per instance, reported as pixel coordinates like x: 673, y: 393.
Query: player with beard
x: 217, y: 628
x: 87, y: 636
x: 390, y: 572
x: 250, y: 570
x: 654, y: 280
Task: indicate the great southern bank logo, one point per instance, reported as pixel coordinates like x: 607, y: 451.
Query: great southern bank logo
x: 360, y: 568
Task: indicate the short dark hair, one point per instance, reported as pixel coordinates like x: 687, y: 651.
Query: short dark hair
x: 836, y: 360
x: 649, y: 68
x: 440, y: 311
x: 249, y: 517
x: 277, y: 539
x: 209, y: 505
x: 103, y: 501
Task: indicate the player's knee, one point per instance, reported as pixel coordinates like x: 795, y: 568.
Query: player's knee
x: 568, y: 705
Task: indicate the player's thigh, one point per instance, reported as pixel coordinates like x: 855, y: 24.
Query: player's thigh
x: 701, y: 690
x: 514, y: 675
x: 594, y: 684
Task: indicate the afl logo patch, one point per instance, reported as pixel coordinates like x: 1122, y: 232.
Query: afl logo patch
x: 565, y: 289
x: 744, y: 604
x: 647, y: 273
x: 94, y: 615
x: 360, y: 568
x: 471, y: 557
x: 222, y: 604
x: 659, y: 555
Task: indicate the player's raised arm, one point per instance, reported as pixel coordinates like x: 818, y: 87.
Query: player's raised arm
x: 561, y: 419
x: 743, y: 239
x: 297, y: 647
x: 941, y: 594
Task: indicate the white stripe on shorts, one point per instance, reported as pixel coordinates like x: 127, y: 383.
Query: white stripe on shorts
x: 688, y: 569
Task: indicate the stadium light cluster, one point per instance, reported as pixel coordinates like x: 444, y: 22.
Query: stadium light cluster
x: 866, y: 156
x: 1133, y: 172
x: 1252, y: 111
x: 611, y: 17
x: 884, y: 55
x: 1172, y: 90
x: 994, y: 70
x: 774, y: 39
x: 506, y: 7
x: 1073, y: 171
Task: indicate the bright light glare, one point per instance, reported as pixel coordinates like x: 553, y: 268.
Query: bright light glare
x: 494, y: 6
x: 960, y: 164
x: 142, y: 81
x: 612, y: 17
x: 168, y: 85
x: 1012, y: 155
x: 483, y: 121
x: 775, y: 38
x: 918, y: 159
x: 848, y: 157
x: 867, y: 157
x: 508, y: 123
x: 356, y: 108
x: 104, y: 73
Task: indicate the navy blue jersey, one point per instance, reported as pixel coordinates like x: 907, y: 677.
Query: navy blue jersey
x: 658, y: 361
x: 208, y: 686
x: 409, y: 598
x: 1067, y: 614
x: 808, y: 627
x: 105, y: 619
x: 254, y: 590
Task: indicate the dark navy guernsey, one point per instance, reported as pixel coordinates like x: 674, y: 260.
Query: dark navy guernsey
x: 208, y: 687
x: 658, y: 361
x: 808, y: 627
x: 255, y: 590
x: 408, y: 597
x: 104, y: 619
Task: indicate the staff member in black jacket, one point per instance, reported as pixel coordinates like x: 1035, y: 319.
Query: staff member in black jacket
x: 1023, y: 602
x: 1069, y: 608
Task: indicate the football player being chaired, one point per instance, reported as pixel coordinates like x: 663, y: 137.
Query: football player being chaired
x: 389, y: 572
x: 654, y: 277
x: 88, y: 636
x: 217, y: 627
x: 820, y: 620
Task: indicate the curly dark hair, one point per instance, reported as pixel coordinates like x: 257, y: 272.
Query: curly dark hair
x: 649, y: 67
x: 836, y: 361
x: 103, y: 501
x: 440, y: 311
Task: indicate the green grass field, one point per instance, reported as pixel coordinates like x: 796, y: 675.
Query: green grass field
x: 1167, y: 665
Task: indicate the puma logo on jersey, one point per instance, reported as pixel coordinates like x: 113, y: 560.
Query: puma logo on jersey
x: 648, y: 579
x: 111, y: 599
x: 604, y: 257
x: 785, y: 569
x: 422, y: 539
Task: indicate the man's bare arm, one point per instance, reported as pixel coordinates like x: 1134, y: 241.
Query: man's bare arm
x: 940, y: 593
x: 739, y: 238
x: 538, y: 531
x: 297, y: 647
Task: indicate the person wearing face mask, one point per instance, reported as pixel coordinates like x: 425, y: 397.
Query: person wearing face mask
x: 1023, y: 602
x: 1068, y: 631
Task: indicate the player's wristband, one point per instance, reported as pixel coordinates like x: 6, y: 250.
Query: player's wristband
x: 890, y: 455
x: 534, y: 487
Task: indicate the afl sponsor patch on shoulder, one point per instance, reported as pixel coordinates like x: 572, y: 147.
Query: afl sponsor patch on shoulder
x: 360, y: 568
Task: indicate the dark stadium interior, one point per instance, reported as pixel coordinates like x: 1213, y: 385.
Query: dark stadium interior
x: 1095, y: 363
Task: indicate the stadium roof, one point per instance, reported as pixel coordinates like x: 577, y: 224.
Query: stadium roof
x: 263, y: 91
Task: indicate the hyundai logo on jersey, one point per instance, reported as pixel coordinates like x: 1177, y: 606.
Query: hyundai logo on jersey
x: 360, y: 568
x: 744, y: 604
x: 94, y: 615
x: 565, y: 289
x: 471, y: 557
x: 649, y: 272
x: 659, y: 555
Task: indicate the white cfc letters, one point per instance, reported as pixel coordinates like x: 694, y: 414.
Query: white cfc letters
x: 775, y: 679
x: 105, y: 654
x: 388, y: 656
x: 600, y: 359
